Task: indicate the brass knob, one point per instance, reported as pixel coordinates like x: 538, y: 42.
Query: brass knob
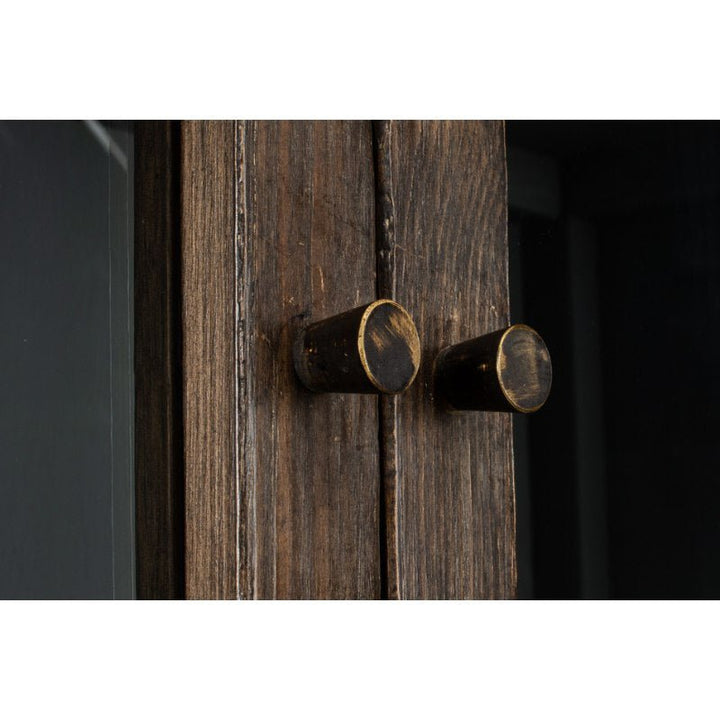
x: 508, y: 370
x: 371, y: 349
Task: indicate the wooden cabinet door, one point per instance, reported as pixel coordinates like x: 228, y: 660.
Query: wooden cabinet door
x: 250, y: 486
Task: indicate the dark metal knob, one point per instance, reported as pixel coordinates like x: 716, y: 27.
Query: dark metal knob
x: 508, y: 370
x: 371, y: 349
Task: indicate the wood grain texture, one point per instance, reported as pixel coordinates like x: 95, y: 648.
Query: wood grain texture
x: 309, y: 495
x: 281, y: 483
x: 158, y: 374
x: 448, y: 478
x: 209, y: 322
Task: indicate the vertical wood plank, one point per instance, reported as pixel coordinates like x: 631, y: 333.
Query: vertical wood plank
x: 448, y: 477
x: 309, y: 502
x: 159, y: 517
x: 209, y: 288
x: 281, y: 484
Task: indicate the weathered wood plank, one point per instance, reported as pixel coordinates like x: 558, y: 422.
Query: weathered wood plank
x: 209, y: 289
x: 309, y: 499
x: 281, y: 483
x: 159, y: 518
x: 448, y: 477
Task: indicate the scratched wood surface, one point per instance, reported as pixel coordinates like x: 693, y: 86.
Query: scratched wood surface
x: 309, y: 499
x: 448, y: 478
x: 159, y: 515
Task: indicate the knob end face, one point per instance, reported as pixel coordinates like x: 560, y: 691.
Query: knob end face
x: 524, y: 368
x: 389, y: 346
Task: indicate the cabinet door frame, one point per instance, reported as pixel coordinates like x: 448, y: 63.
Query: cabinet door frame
x: 202, y: 191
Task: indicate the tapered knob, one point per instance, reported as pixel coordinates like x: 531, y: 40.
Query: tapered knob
x: 508, y: 370
x: 371, y: 349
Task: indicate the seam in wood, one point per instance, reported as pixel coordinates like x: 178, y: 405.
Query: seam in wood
x: 245, y: 399
x: 387, y: 406
x: 237, y: 151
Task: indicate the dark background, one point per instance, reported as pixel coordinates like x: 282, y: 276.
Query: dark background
x: 614, y: 230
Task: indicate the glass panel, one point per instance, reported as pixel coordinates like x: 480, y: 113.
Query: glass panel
x: 66, y: 481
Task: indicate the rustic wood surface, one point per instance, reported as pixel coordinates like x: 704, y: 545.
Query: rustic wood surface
x: 209, y: 322
x: 292, y: 494
x: 310, y: 494
x: 281, y: 483
x: 448, y: 478
x: 158, y: 373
